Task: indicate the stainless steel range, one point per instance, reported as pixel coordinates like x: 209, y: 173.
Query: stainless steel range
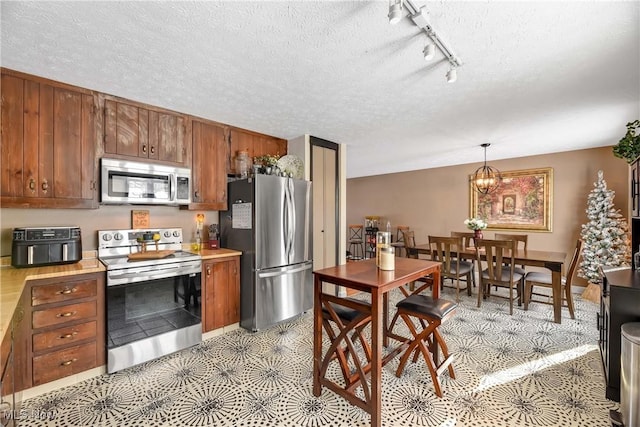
x: 153, y: 298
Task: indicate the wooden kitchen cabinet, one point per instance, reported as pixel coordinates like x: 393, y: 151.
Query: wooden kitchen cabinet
x: 221, y: 299
x: 11, y: 361
x: 143, y: 132
x: 64, y: 328
x: 208, y: 171
x: 49, y: 135
x: 254, y: 144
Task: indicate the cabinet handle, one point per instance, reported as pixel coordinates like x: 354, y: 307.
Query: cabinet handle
x: 144, y: 148
x: 45, y: 185
x: 66, y: 336
x: 68, y: 362
x: 32, y: 185
x: 67, y: 291
x: 66, y: 314
x: 196, y: 195
x: 208, y: 270
x: 153, y: 149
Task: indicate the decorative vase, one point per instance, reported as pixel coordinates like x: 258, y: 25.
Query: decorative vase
x: 477, y: 234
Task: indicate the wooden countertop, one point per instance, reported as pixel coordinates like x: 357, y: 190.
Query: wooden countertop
x: 217, y: 253
x: 13, y: 280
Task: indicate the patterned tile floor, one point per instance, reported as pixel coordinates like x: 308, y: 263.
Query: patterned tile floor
x: 519, y: 370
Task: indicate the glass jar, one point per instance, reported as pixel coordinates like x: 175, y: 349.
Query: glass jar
x: 242, y: 164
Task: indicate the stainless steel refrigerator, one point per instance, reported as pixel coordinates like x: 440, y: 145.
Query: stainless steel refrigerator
x: 269, y: 220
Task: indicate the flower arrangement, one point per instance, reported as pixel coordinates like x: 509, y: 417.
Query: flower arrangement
x: 266, y: 160
x: 475, y: 223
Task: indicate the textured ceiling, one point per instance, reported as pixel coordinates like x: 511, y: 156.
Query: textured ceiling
x: 537, y: 77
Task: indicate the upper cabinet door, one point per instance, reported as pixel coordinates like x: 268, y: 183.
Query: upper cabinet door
x: 210, y: 154
x: 254, y: 144
x: 48, y: 144
x: 135, y: 131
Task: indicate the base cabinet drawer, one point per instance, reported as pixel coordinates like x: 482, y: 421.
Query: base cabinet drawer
x: 63, y: 314
x: 62, y: 363
x: 64, y: 291
x: 64, y: 336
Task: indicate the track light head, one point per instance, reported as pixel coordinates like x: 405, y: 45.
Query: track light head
x: 429, y: 52
x: 395, y: 11
x: 452, y: 75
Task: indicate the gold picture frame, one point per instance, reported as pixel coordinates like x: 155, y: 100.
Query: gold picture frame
x: 522, y: 201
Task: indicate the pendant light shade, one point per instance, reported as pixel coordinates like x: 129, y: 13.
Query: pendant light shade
x: 486, y: 179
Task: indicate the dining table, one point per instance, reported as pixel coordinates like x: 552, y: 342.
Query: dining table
x: 553, y: 261
x: 365, y: 276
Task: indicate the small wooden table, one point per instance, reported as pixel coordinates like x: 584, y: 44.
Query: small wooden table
x: 550, y: 260
x: 365, y: 276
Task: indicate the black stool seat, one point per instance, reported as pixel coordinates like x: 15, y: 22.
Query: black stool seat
x: 425, y: 305
x: 344, y: 313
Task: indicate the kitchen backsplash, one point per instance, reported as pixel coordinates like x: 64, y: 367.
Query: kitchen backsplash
x: 104, y: 218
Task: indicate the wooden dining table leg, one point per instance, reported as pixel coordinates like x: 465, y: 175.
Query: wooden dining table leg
x: 317, y: 335
x: 377, y: 325
x: 556, y: 285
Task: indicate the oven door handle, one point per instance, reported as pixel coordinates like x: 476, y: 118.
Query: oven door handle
x: 132, y: 277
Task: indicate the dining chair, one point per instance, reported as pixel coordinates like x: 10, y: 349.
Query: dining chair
x: 409, y: 238
x: 467, y: 242
x: 356, y: 241
x: 500, y: 269
x: 344, y: 323
x: 443, y: 250
x: 428, y: 341
x: 399, y: 243
x: 543, y: 279
x: 521, y: 241
x: 427, y: 281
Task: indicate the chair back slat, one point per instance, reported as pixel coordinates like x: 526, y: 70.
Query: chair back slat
x: 467, y: 238
x: 409, y: 239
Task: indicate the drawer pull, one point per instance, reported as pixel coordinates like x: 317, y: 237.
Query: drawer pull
x: 65, y: 336
x: 67, y: 291
x: 68, y: 362
x: 66, y: 314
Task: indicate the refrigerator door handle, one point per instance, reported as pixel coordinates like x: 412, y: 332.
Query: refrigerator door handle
x: 304, y: 267
x: 286, y: 218
x: 292, y: 218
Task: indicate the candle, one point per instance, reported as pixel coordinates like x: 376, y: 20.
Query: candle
x: 387, y: 259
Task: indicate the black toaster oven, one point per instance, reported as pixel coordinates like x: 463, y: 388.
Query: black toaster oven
x: 33, y: 247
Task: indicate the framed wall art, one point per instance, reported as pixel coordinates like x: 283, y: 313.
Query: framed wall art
x: 523, y: 201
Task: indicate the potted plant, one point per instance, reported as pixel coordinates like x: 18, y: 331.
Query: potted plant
x: 268, y: 162
x: 629, y: 146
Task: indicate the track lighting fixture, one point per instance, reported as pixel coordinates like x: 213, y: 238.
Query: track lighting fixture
x: 486, y: 179
x: 395, y: 11
x: 420, y: 18
x: 429, y: 52
x: 452, y: 75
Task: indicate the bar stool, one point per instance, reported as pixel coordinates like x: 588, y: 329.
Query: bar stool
x: 356, y: 241
x: 431, y: 314
x: 344, y: 323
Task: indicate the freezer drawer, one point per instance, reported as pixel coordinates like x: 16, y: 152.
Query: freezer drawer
x: 279, y: 294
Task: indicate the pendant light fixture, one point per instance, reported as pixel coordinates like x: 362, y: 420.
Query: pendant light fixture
x: 486, y: 178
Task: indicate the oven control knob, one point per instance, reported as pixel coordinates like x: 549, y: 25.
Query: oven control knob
x: 106, y: 237
x: 176, y: 233
x: 167, y: 234
x: 117, y: 236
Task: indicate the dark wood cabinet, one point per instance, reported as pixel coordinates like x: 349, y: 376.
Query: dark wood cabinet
x: 64, y: 328
x: 254, y: 144
x: 210, y: 154
x: 145, y: 133
x: 619, y: 304
x: 634, y: 198
x: 221, y: 292
x: 48, y: 144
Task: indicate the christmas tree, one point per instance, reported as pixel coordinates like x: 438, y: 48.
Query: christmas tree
x: 605, y: 235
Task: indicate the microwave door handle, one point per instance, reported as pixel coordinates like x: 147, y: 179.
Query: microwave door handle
x: 173, y: 179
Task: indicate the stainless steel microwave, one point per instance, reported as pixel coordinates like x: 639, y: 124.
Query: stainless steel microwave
x: 126, y: 182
